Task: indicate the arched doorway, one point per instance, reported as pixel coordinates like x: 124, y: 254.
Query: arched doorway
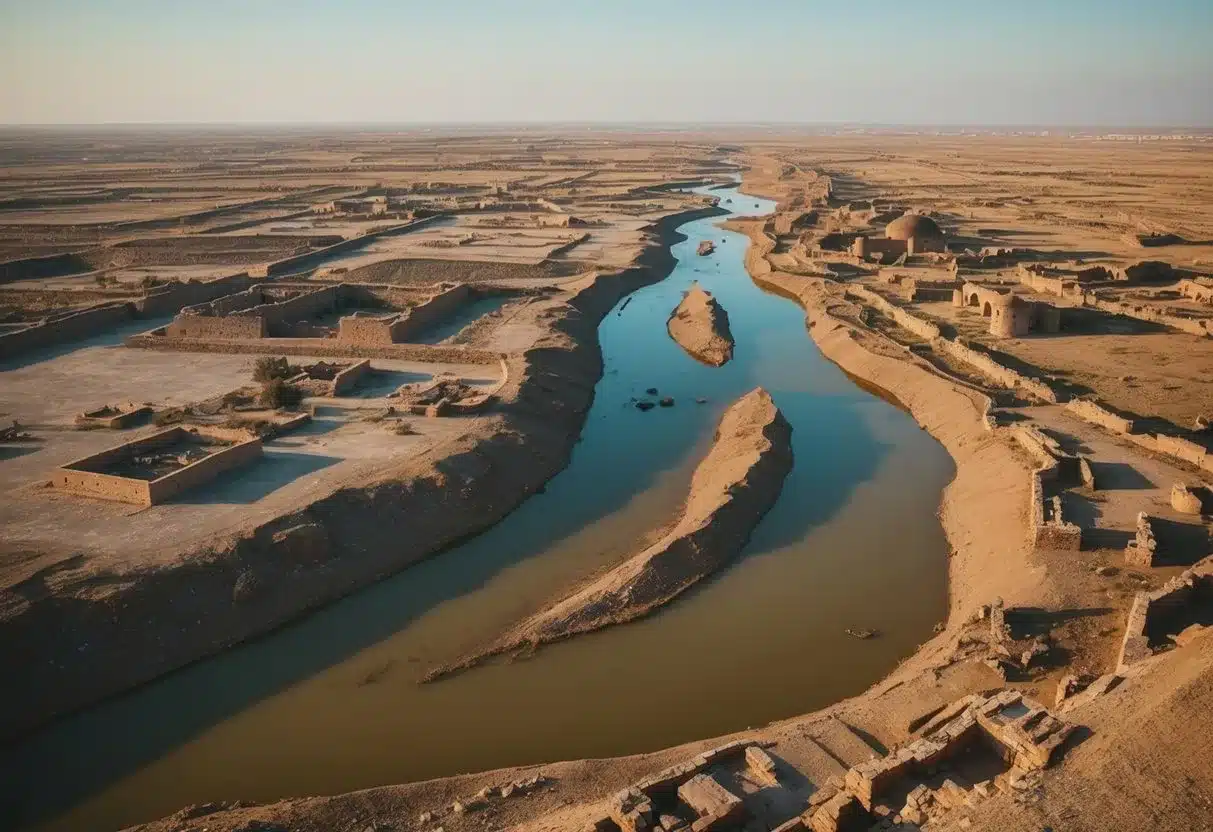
x: 987, y: 311
x: 973, y: 301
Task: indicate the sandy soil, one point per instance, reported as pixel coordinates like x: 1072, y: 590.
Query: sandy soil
x: 701, y: 327
x: 731, y: 490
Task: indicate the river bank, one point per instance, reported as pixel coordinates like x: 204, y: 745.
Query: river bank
x: 99, y: 634
x: 731, y: 490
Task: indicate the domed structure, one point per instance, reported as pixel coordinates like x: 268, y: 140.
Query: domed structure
x: 913, y: 227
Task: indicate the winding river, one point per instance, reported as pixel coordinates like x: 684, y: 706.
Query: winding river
x: 331, y: 704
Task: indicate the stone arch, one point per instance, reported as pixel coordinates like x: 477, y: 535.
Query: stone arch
x: 987, y: 310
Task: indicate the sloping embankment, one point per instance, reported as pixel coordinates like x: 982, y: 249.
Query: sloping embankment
x: 701, y: 327
x: 66, y: 644
x: 732, y: 489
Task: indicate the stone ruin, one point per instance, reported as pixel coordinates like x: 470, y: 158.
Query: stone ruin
x: 114, y: 417
x: 331, y: 378
x: 366, y: 315
x: 1168, y: 614
x: 156, y: 468
x: 1143, y: 548
x: 1000, y: 738
x: 1011, y: 316
x: 445, y: 395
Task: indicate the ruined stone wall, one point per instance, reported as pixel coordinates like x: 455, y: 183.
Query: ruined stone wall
x: 1197, y: 291
x: 312, y: 259
x: 320, y: 347
x: 1097, y: 414
x: 171, y: 299
x: 50, y: 265
x: 919, y: 326
x: 430, y: 312
x: 1005, y: 376
x: 865, y: 247
x: 1038, y: 282
x: 85, y: 476
x: 103, y: 486
x: 1192, y: 326
x: 280, y: 315
x: 204, y: 470
x: 73, y: 326
x: 1184, y: 449
x: 1142, y: 550
x: 349, y: 378
x: 206, y: 326
x: 368, y: 330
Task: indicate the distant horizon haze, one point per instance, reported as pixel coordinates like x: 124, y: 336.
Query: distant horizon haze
x: 941, y: 64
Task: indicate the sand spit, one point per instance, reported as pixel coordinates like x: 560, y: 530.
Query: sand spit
x: 178, y: 613
x: 701, y: 327
x: 731, y: 490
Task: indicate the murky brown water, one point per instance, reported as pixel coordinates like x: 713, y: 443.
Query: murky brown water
x: 331, y: 704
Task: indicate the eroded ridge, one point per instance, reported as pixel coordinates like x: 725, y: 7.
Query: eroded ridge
x: 731, y: 490
x: 701, y: 327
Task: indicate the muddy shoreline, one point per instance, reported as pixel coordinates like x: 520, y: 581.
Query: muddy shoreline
x: 95, y: 636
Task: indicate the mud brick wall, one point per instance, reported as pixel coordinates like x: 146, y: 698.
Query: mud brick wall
x: 1183, y: 449
x: 430, y: 312
x: 169, y: 300
x: 348, y: 379
x: 103, y: 486
x: 1097, y: 414
x: 86, y: 476
x: 311, y: 260
x: 281, y: 315
x: 366, y: 330
x: 320, y: 347
x: 73, y: 326
x: 204, y: 470
x: 206, y: 326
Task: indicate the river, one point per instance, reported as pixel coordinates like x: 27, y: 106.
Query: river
x: 330, y: 703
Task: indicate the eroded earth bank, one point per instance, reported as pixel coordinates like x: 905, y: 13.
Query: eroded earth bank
x: 731, y: 490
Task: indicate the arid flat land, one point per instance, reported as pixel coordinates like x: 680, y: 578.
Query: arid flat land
x: 1041, y: 304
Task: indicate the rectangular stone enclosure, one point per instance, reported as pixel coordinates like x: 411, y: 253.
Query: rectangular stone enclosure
x: 154, y: 469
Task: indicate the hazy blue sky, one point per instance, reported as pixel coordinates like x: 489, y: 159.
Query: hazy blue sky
x: 1107, y: 62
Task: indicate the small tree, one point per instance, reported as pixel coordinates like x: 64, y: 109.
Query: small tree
x: 267, y: 369
x: 276, y: 393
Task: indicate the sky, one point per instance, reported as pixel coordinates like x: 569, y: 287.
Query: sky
x: 1129, y: 63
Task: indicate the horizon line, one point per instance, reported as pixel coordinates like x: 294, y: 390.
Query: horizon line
x: 1105, y: 126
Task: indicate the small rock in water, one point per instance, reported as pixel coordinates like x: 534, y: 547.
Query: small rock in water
x: 860, y: 632
x: 668, y: 401
x: 701, y: 400
x: 644, y: 405
x: 652, y: 391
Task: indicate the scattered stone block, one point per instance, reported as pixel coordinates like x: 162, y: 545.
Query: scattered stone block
x: 762, y: 766
x: 1185, y: 500
x: 1142, y: 549
x: 709, y: 800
